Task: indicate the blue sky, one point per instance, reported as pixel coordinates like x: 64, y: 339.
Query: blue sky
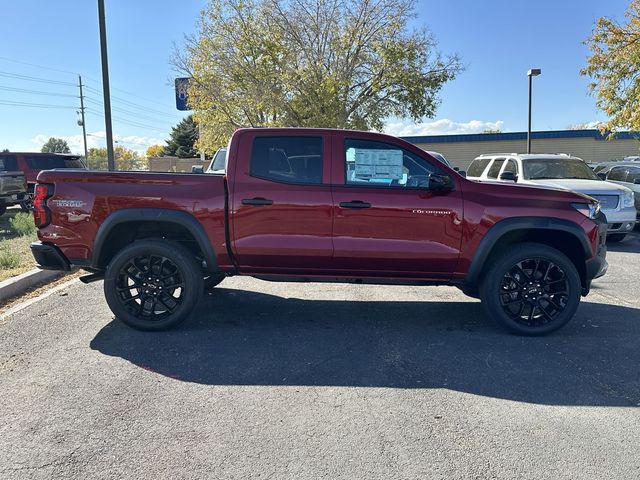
x: 498, y: 41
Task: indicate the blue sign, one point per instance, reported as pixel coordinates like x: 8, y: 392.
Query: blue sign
x: 182, y: 93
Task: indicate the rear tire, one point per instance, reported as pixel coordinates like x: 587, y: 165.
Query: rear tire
x: 532, y: 289
x: 153, y: 284
x: 616, y: 237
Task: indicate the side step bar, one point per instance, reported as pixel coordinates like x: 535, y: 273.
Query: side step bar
x: 92, y: 277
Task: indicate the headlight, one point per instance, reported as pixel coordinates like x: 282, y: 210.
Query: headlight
x: 590, y: 210
x: 628, y: 199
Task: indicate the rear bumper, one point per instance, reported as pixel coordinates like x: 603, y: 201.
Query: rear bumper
x: 49, y: 257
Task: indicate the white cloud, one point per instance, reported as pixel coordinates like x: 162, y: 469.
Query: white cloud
x: 402, y: 128
x: 97, y: 140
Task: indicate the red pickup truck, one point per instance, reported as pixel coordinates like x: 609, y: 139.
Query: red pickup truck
x: 319, y: 205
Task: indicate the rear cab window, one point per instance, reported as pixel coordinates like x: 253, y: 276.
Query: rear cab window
x: 287, y: 159
x: 8, y: 163
x: 49, y: 162
x: 380, y: 164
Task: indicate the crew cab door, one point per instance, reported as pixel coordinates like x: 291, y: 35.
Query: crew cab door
x: 386, y: 220
x: 280, y: 201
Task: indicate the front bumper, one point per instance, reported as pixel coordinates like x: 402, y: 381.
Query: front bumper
x: 621, y: 221
x: 49, y: 257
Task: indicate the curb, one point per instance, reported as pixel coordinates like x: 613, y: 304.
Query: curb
x: 15, y: 286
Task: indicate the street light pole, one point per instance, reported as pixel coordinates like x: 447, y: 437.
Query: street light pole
x: 534, y: 72
x: 105, y: 85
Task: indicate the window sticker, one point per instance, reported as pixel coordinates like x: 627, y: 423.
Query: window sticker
x: 374, y: 165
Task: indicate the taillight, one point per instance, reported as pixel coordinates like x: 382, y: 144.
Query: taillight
x: 41, y: 213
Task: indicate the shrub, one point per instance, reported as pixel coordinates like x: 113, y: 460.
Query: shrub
x: 9, y: 259
x: 23, y: 224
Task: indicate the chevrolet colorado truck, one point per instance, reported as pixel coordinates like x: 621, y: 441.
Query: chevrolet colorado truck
x: 319, y: 205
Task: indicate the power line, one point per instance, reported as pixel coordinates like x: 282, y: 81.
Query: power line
x: 35, y: 105
x: 38, y: 66
x: 125, y: 121
x: 128, y: 112
x: 36, y: 92
x: 29, y: 78
x: 133, y: 104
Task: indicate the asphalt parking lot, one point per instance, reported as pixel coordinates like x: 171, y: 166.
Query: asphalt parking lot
x: 297, y: 381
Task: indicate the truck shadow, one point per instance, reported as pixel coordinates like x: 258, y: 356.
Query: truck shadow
x: 631, y: 244
x: 247, y: 338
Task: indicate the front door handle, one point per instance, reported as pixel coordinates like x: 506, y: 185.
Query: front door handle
x: 355, y: 204
x: 257, y: 201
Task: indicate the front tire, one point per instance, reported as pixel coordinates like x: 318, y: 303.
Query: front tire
x: 153, y: 284
x: 532, y: 289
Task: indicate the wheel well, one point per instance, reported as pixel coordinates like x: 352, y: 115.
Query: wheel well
x: 563, y: 241
x: 125, y: 233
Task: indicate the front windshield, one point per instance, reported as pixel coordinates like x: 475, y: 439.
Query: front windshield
x: 557, y: 168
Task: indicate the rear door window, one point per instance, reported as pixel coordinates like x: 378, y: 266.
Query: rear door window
x: 494, y: 170
x: 617, y: 174
x: 477, y: 167
x: 45, y: 162
x: 289, y: 159
x: 8, y: 163
x: 633, y: 174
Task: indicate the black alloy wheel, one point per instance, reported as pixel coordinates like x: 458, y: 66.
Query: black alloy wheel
x: 531, y: 289
x: 153, y: 284
x: 150, y: 286
x: 534, y: 291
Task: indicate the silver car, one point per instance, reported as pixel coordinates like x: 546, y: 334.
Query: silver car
x: 563, y: 172
x: 627, y: 175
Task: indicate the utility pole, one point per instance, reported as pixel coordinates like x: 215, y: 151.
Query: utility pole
x: 105, y: 85
x: 84, y: 129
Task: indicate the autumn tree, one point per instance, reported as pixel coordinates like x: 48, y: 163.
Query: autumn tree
x: 614, y: 67
x: 125, y: 159
x: 181, y: 142
x: 55, y: 145
x: 310, y: 63
x: 155, y: 151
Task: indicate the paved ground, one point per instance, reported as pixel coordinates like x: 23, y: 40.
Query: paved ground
x: 315, y: 381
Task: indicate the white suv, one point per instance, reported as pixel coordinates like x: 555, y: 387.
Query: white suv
x: 563, y: 172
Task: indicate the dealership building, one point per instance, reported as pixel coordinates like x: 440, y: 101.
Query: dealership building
x: 590, y: 145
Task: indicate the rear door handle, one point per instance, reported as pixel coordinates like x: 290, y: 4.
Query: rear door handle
x: 257, y: 201
x: 355, y: 204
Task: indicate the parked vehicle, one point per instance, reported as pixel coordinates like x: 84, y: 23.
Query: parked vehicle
x: 563, y: 172
x: 441, y: 158
x: 32, y: 163
x: 13, y: 186
x: 218, y: 162
x: 317, y: 205
x: 627, y: 175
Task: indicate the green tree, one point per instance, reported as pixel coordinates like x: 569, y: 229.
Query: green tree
x: 614, y: 67
x: 155, y: 151
x: 183, y: 137
x: 316, y: 63
x: 125, y: 159
x: 55, y: 145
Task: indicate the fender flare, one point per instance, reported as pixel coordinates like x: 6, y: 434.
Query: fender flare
x: 499, y: 229
x: 184, y: 219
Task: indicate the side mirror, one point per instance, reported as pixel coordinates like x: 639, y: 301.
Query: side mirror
x: 197, y: 169
x: 440, y: 183
x: 457, y: 169
x: 463, y: 173
x: 509, y: 176
x: 602, y: 175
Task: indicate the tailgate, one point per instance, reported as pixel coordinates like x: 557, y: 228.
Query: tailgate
x: 12, y: 183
